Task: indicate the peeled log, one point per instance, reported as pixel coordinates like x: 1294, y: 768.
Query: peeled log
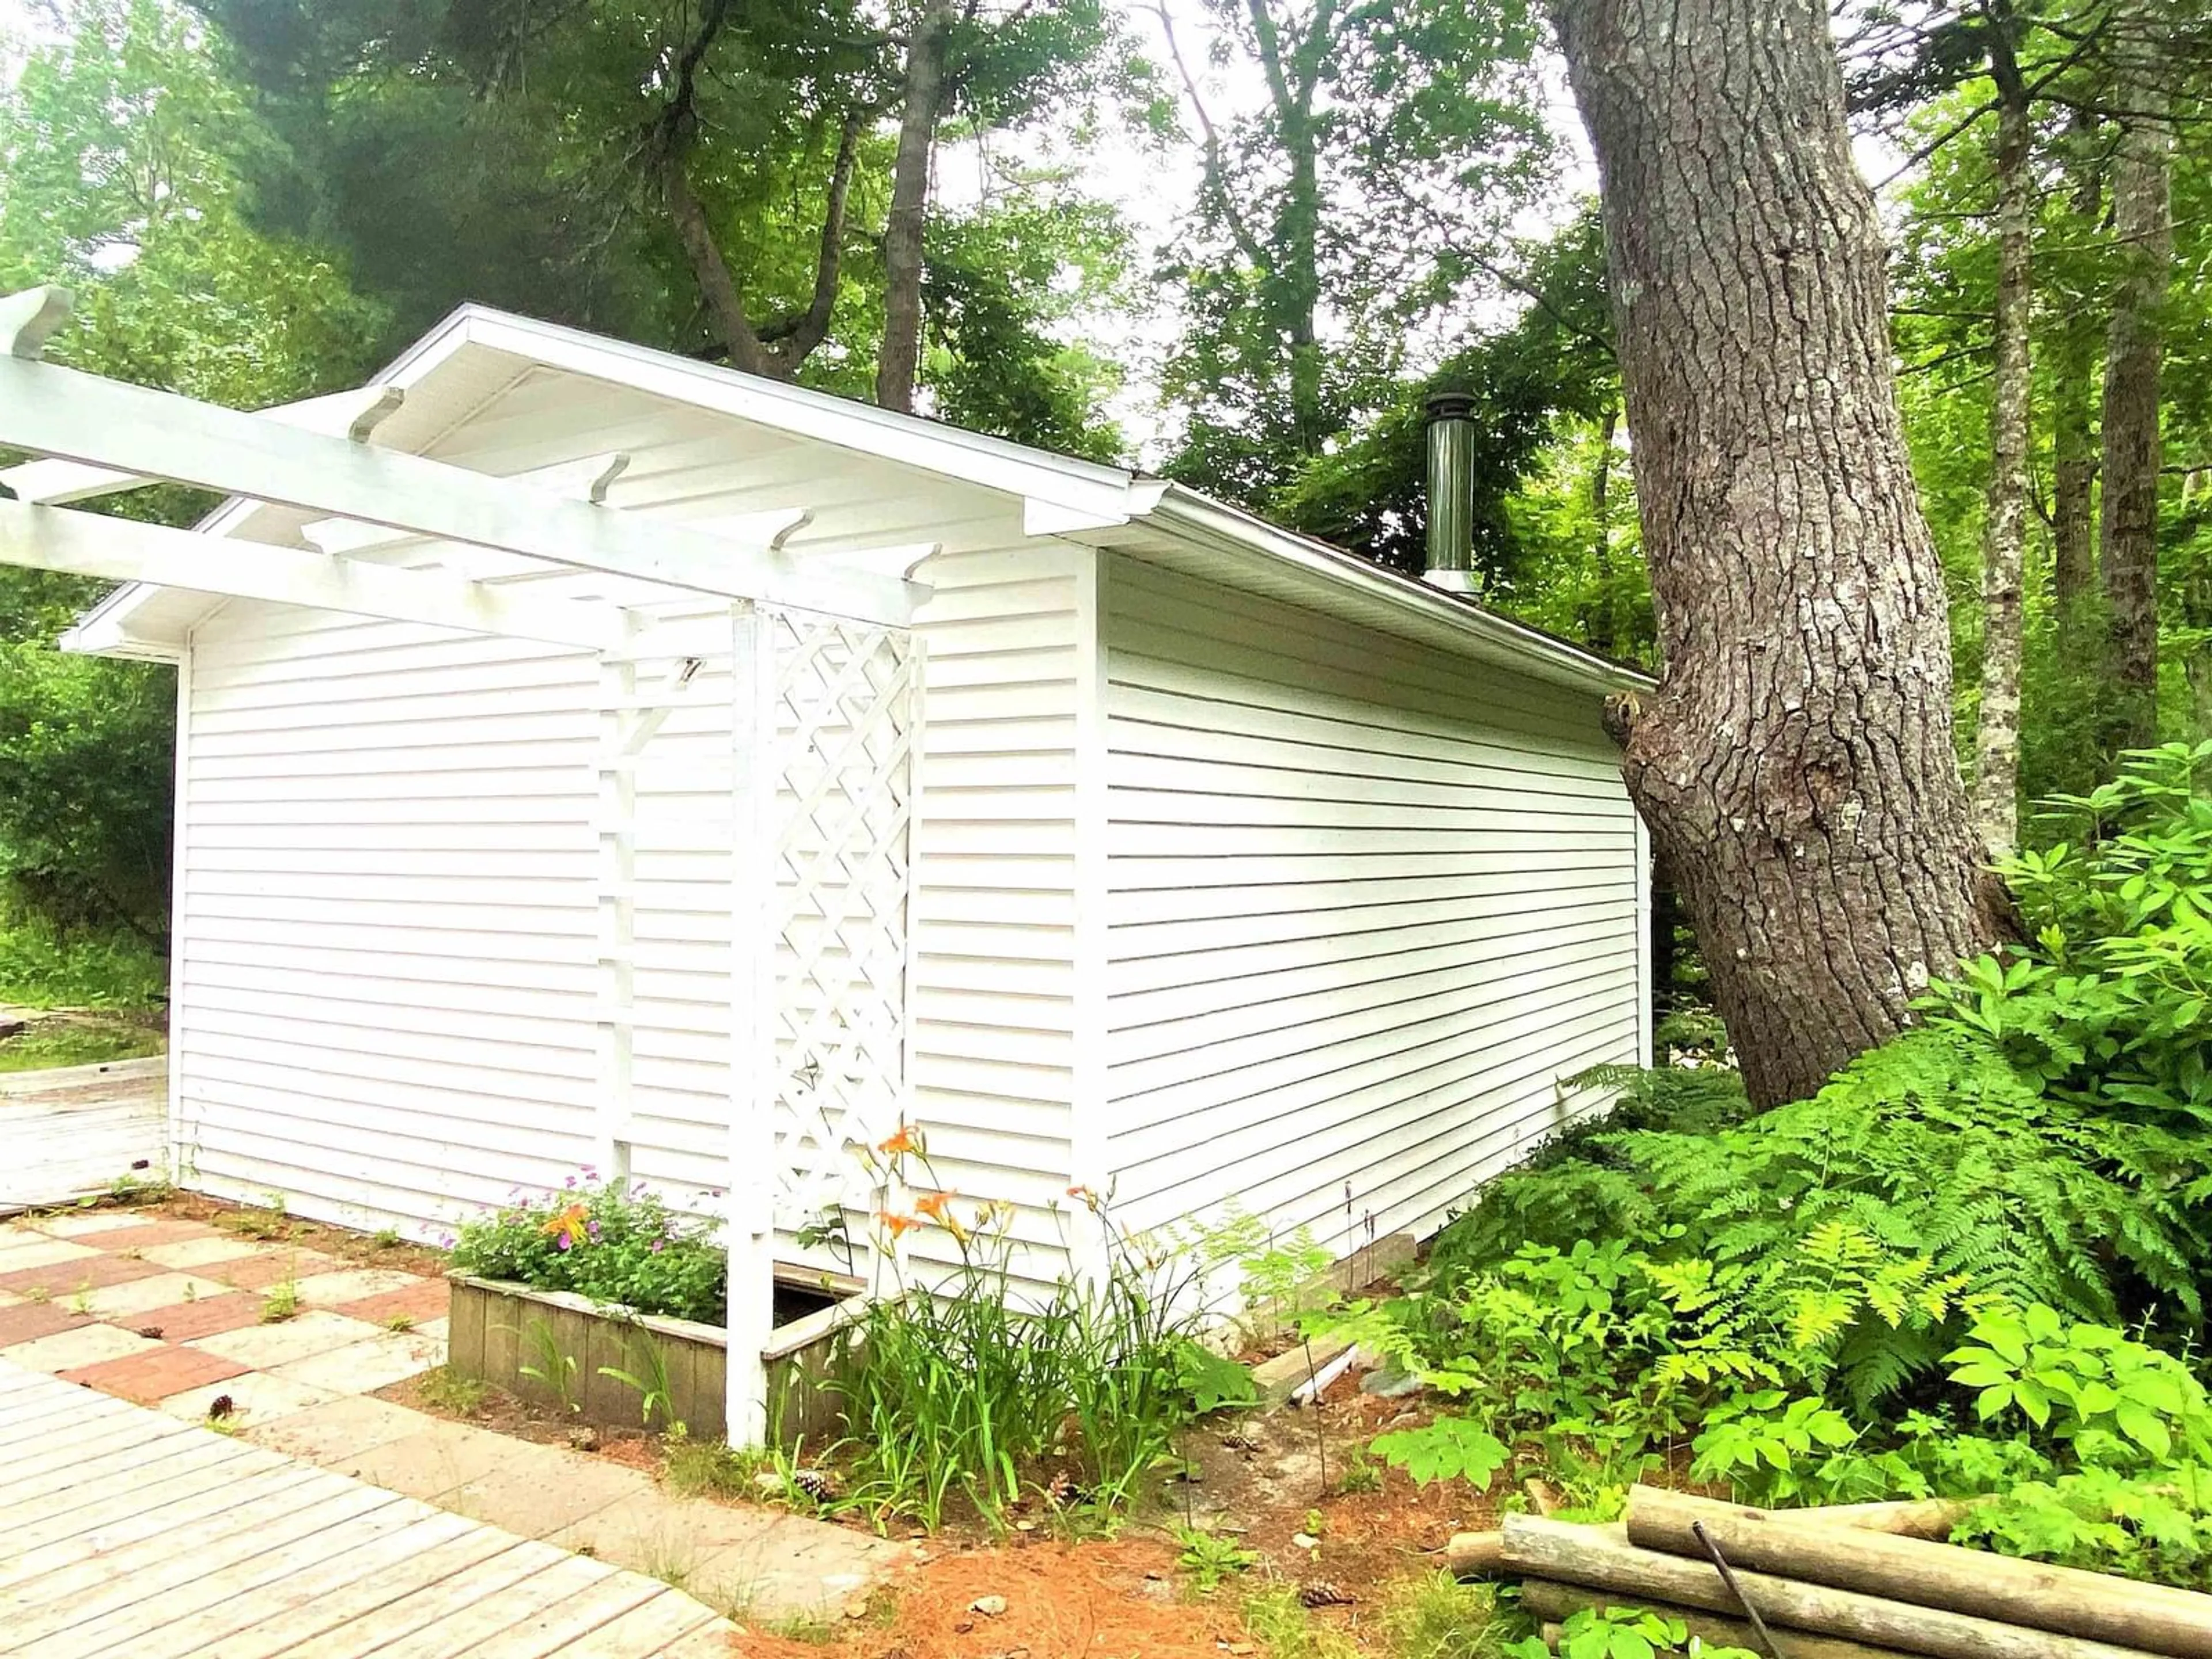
x: 1475, y: 1554
x: 1916, y: 1517
x: 1605, y: 1559
x: 1549, y: 1600
x: 2090, y: 1605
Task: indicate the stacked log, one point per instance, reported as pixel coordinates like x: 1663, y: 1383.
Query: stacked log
x: 1858, y: 1583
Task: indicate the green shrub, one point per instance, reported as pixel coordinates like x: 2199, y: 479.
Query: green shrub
x: 618, y: 1245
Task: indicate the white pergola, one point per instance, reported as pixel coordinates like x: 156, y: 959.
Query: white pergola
x: 824, y: 701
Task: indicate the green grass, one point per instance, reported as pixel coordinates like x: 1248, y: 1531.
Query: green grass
x: 1285, y: 1630
x: 446, y: 1390
x: 707, y: 1468
x: 50, y: 1043
x: 1434, y: 1616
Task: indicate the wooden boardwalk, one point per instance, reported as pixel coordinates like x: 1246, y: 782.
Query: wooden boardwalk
x: 80, y: 1128
x: 127, y: 1535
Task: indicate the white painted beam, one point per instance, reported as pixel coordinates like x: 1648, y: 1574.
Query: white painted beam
x: 59, y: 412
x: 122, y: 550
x: 354, y: 414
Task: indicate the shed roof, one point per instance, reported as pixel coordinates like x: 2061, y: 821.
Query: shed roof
x: 476, y: 354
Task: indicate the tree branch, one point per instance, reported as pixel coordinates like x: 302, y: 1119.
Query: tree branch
x: 1239, y: 228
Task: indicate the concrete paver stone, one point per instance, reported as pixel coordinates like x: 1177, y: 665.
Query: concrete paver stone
x: 266, y: 1347
x: 29, y: 1250
x: 375, y: 1362
x: 537, y: 1494
x: 353, y: 1285
x: 121, y: 1301
x: 87, y: 1345
x: 79, y: 1223
x: 345, y: 1428
x: 200, y: 1252
x: 436, y: 1458
x: 256, y: 1398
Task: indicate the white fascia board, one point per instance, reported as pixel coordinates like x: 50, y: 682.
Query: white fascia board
x: 1074, y: 487
x: 1198, y: 519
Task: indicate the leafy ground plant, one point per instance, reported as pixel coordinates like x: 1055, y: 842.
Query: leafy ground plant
x: 1211, y: 1558
x: 973, y: 1385
x: 618, y: 1244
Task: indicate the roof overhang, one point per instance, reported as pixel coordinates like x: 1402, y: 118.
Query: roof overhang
x: 1061, y: 496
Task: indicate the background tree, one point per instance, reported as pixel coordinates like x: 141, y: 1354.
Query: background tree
x: 122, y: 148
x: 1796, y: 765
x: 1341, y: 219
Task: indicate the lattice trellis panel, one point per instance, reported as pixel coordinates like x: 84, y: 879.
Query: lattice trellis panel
x: 847, y: 710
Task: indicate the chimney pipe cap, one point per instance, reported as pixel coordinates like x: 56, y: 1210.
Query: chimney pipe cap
x: 1449, y: 406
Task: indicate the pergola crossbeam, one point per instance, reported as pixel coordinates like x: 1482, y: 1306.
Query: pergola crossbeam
x: 124, y: 550
x: 59, y: 412
x: 352, y: 415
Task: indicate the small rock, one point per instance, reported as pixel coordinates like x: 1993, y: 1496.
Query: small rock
x: 768, y: 1483
x: 1156, y: 1588
x: 991, y: 1607
x: 1305, y: 1541
x: 1024, y: 1526
x: 963, y: 1628
x: 584, y: 1438
x: 856, y: 1609
x: 1389, y: 1382
x: 151, y: 1333
x: 1243, y: 1647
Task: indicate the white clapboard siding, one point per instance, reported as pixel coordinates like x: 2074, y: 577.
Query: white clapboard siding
x: 389, y: 985
x: 385, y: 916
x: 1367, y: 905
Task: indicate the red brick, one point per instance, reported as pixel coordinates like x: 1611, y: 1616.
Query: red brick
x: 153, y: 1376
x: 258, y: 1273
x: 149, y: 1232
x: 81, y: 1272
x: 187, y: 1321
x: 32, y: 1320
x: 427, y: 1300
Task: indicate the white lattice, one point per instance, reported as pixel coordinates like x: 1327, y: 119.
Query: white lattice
x: 846, y: 710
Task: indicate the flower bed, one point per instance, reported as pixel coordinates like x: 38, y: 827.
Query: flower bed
x: 604, y: 1304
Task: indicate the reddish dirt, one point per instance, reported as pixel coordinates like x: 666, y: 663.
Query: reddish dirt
x: 1088, y: 1601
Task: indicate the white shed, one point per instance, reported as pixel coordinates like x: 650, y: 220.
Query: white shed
x: 1168, y: 853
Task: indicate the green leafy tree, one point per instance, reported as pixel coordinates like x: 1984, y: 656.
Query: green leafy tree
x: 122, y: 151
x: 1343, y: 217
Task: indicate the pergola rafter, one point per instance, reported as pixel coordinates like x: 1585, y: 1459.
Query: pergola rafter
x: 814, y: 649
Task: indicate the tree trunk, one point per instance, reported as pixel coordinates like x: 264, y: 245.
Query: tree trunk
x: 2073, y: 453
x: 1996, y: 735
x: 1605, y: 619
x: 1796, y: 766
x: 2142, y: 223
x: 900, y: 358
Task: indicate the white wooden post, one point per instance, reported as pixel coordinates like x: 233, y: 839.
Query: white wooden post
x: 617, y: 883
x: 753, y: 940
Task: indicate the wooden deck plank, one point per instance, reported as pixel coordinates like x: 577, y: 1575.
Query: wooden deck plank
x: 663, y: 1619
x: 139, y: 1537
x: 451, y: 1628
x: 185, y: 1515
x: 26, y: 1415
x: 40, y: 1523
x: 566, y: 1621
x: 717, y: 1641
x: 290, y: 1591
x: 113, y: 1604
x: 497, y: 1558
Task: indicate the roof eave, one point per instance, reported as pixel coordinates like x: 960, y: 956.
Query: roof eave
x: 1187, y: 513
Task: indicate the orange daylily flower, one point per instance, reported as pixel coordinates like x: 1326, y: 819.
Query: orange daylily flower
x: 904, y: 1141
x: 570, y: 1220
x: 896, y: 1225
x: 936, y: 1206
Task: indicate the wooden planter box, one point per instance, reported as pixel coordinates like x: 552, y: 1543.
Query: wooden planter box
x: 496, y: 1330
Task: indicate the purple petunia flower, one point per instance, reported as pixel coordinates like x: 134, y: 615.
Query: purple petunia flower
x: 592, y: 1228
x: 563, y: 1241
x: 658, y: 1245
x: 571, y: 1181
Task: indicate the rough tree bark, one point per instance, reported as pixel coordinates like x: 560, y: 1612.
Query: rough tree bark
x: 1996, y: 734
x: 1796, y: 766
x: 2073, y: 449
x: 2143, y: 224
x: 899, y: 359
